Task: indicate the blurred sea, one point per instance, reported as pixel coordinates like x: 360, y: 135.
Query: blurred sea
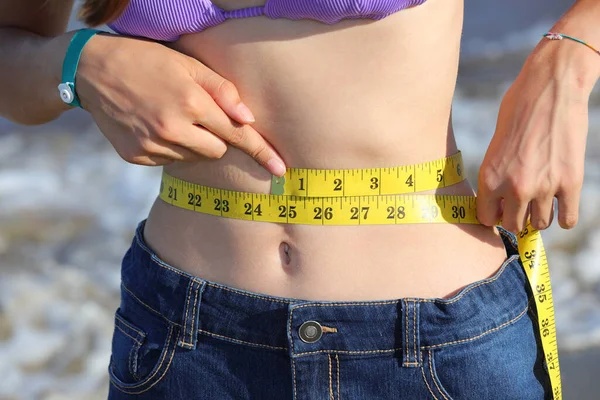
x: 62, y: 240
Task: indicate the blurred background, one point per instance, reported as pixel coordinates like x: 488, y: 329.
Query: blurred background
x: 62, y: 239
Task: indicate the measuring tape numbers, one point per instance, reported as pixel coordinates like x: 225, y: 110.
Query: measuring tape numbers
x: 374, y: 196
x: 535, y: 263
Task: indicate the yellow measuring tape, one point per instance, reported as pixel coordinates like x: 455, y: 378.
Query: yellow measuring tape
x: 374, y: 196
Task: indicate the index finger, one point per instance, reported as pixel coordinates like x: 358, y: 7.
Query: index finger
x: 242, y: 136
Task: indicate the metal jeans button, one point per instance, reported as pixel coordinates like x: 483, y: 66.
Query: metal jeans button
x: 310, y: 331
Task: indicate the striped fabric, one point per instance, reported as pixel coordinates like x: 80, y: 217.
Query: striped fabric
x: 166, y: 20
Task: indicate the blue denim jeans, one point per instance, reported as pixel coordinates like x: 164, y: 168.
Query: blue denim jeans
x: 178, y: 336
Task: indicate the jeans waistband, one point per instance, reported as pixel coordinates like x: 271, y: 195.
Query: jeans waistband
x: 198, y: 306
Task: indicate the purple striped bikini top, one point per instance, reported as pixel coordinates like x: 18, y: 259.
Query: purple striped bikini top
x: 166, y: 20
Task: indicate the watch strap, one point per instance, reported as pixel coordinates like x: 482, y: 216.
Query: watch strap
x: 70, y: 63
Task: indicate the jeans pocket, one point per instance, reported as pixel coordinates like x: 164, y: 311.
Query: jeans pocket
x: 143, y: 347
x: 126, y: 343
x: 504, y: 364
x: 430, y: 377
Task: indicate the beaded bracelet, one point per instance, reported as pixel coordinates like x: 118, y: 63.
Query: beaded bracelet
x: 561, y: 36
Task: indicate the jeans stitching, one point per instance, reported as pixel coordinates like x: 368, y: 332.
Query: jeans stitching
x: 330, y: 380
x: 357, y: 303
x: 427, y: 384
x: 337, y: 360
x: 154, y: 383
x: 347, y: 351
x: 434, y: 346
x: 149, y: 379
x: 147, y: 306
x: 194, y: 313
x: 305, y: 353
x: 139, y: 332
x: 366, y: 351
x: 186, y: 313
x: 128, y: 335
x: 291, y: 338
x: 248, y: 294
x: 294, y: 376
x: 414, y: 312
x: 433, y: 377
x: 406, y: 332
x: 240, y: 341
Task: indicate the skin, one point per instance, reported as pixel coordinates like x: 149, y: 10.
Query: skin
x: 543, y: 120
x: 356, y: 94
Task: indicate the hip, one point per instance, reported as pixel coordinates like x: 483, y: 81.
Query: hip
x: 181, y: 336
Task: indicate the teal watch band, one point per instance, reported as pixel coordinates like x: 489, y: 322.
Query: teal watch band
x: 67, y: 88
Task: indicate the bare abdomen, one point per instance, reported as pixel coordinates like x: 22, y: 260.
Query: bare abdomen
x: 356, y: 94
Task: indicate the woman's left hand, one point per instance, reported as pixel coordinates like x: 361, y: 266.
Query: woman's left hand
x: 537, y: 152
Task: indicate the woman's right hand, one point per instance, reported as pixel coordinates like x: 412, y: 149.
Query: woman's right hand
x: 156, y: 105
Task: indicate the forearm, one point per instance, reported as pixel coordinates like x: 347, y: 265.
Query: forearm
x: 30, y: 71
x: 583, y: 16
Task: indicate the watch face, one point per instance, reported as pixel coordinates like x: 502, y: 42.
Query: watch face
x: 66, y: 93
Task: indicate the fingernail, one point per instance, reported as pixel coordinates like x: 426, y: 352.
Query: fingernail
x: 276, y: 167
x: 245, y: 112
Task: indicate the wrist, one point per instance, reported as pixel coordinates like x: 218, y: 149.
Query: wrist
x: 93, y: 60
x: 580, y: 62
x: 67, y: 87
x: 569, y: 62
x: 103, y: 61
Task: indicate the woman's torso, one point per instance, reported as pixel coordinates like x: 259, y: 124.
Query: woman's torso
x: 356, y: 94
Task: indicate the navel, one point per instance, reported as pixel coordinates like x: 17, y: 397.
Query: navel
x: 285, y: 253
